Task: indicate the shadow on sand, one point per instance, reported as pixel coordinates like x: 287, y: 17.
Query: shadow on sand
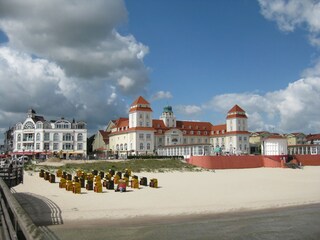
x: 41, y: 210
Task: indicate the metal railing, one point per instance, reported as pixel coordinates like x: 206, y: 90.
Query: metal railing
x: 15, y: 222
x: 12, y: 175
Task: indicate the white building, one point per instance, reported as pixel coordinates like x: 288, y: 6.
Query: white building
x: 36, y: 136
x: 141, y: 134
x: 274, y: 145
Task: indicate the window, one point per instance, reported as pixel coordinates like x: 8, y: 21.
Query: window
x: 244, y: 138
x: 148, y: 136
x: 19, y: 137
x: 46, y: 146
x: 67, y: 137
x: 191, y: 132
x: 37, y: 146
x: 81, y: 126
x: 29, y: 125
x: 56, y: 137
x: 79, y: 146
x: 117, y: 146
x: 121, y: 147
x: 240, y: 138
x: 55, y: 146
x: 141, y: 136
x: 148, y: 146
x: 39, y: 125
x: 141, y: 115
x: 38, y: 137
x: 185, y: 141
x: 28, y: 137
x: 125, y: 146
x: 80, y: 137
x: 198, y: 132
x: 46, y: 136
x: 67, y: 146
x: 141, y: 146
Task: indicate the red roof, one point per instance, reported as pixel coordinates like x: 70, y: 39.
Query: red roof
x: 236, y: 112
x: 139, y: 100
x: 236, y: 108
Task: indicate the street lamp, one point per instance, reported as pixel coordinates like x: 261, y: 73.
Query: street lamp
x: 23, y: 148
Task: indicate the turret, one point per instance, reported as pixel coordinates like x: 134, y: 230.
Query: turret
x: 237, y: 120
x: 140, y: 113
x: 168, y: 117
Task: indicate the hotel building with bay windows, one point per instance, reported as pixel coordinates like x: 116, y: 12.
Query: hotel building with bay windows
x: 36, y: 136
x: 140, y: 134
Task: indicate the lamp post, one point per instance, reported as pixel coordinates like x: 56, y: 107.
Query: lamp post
x: 23, y: 148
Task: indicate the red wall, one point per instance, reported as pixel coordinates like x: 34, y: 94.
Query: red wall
x: 233, y: 162
x: 308, y: 160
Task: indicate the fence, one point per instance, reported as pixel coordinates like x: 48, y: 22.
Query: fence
x: 15, y: 222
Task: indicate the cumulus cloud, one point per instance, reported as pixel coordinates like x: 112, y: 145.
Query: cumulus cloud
x: 67, y: 58
x: 295, y: 106
x: 294, y: 13
x: 162, y: 95
x: 286, y: 110
x: 188, y: 109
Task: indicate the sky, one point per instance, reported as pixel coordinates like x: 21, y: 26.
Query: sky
x: 89, y: 60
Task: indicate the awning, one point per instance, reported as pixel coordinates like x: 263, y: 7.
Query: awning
x: 23, y: 153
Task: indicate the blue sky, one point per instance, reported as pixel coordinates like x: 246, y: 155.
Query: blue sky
x: 89, y: 61
x: 215, y: 47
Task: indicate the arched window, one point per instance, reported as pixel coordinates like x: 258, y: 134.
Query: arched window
x: 56, y: 137
x: 125, y: 147
x: 117, y: 146
x: 38, y: 137
x: 80, y: 137
x: 148, y: 146
x: 121, y: 147
x: 19, y: 137
x: 29, y: 125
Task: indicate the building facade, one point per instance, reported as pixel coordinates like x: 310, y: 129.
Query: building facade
x: 141, y: 134
x: 275, y: 145
x: 37, y: 136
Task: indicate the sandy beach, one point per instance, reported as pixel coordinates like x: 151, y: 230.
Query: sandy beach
x: 179, y: 194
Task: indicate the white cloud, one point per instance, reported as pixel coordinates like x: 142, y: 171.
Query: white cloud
x: 188, y: 109
x: 295, y: 106
x: 290, y: 14
x: 162, y: 95
x: 288, y: 110
x: 66, y: 58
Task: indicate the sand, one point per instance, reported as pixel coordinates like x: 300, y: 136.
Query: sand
x: 181, y: 194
